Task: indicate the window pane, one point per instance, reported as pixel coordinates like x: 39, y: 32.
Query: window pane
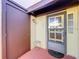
x: 70, y: 17
x: 59, y: 22
x: 50, y: 21
x: 59, y: 19
x: 52, y: 35
x: 58, y: 36
x: 70, y: 23
x: 70, y: 29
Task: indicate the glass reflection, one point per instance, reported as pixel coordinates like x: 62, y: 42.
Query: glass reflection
x: 55, y: 22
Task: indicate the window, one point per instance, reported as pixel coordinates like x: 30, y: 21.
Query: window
x: 70, y: 23
x: 58, y: 36
x: 55, y: 28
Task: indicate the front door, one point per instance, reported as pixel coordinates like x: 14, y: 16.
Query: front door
x: 57, y: 32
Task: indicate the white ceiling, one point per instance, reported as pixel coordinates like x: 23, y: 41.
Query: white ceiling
x: 26, y: 3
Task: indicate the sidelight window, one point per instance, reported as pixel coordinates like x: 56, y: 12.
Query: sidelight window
x: 70, y: 23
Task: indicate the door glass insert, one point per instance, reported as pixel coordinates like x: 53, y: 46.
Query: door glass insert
x: 52, y: 35
x: 56, y: 27
x: 58, y: 36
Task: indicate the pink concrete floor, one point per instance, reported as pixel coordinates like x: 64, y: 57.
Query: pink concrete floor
x: 39, y: 53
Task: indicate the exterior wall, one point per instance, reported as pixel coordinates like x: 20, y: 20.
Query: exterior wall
x: 72, y: 39
x: 0, y: 29
x: 38, y: 32
x: 33, y: 32
x: 41, y: 31
x: 78, y: 31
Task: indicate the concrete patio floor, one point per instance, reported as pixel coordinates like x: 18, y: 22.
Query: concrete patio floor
x: 39, y: 53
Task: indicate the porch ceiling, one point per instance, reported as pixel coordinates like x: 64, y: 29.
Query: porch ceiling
x: 51, y: 6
